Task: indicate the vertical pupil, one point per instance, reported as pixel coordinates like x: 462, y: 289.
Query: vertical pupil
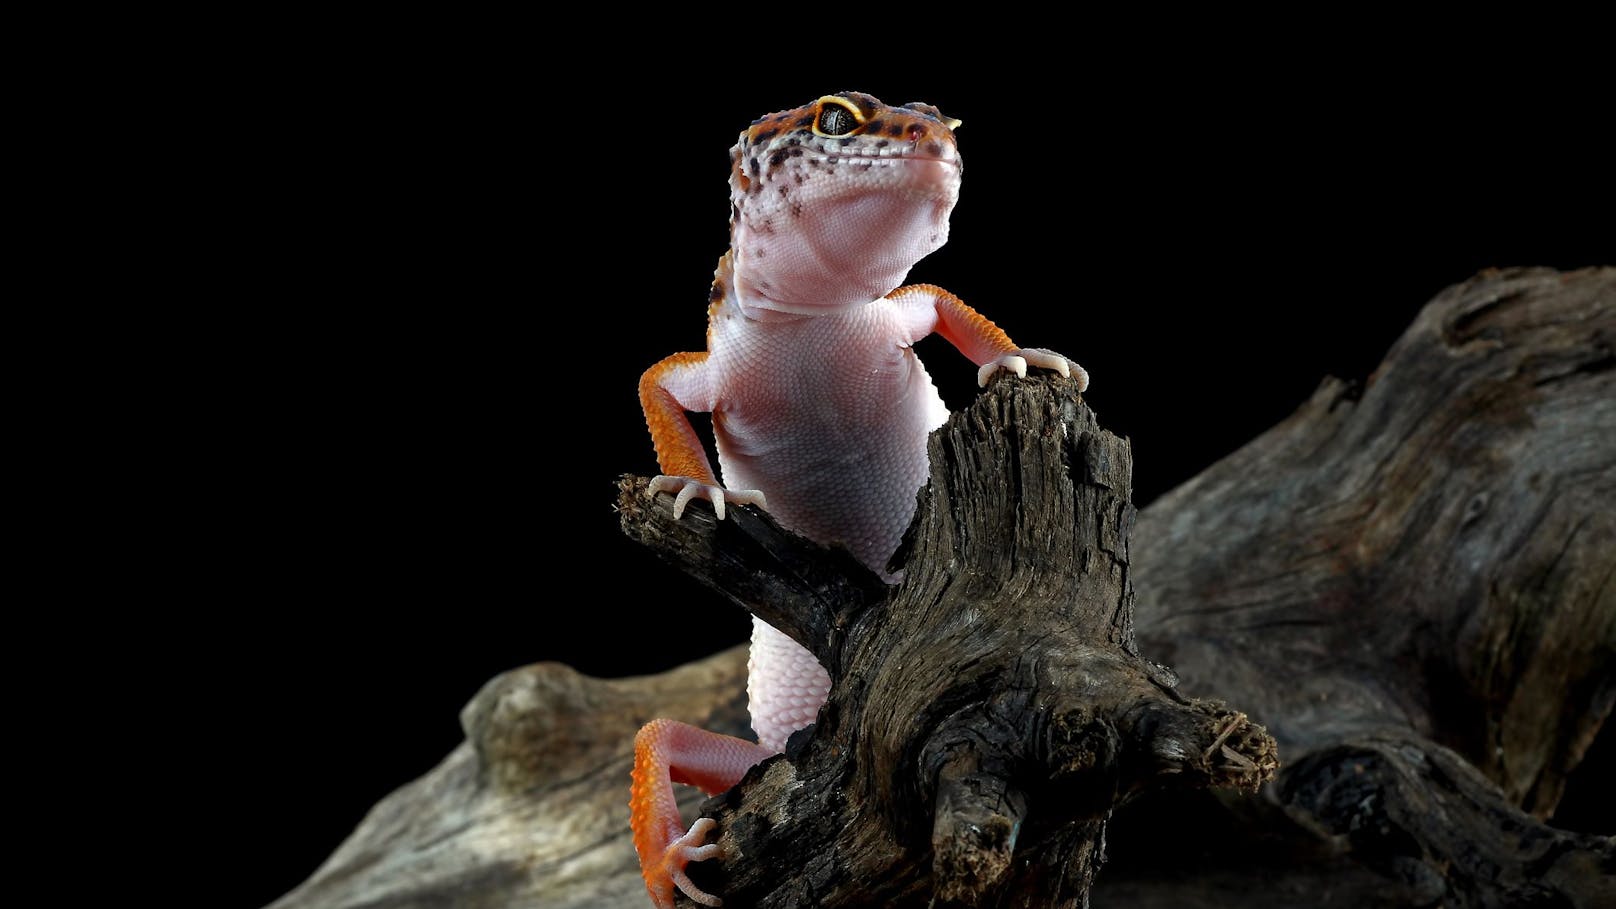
x: 835, y: 120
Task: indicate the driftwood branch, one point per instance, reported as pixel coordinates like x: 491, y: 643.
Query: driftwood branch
x: 1413, y: 584
x: 1410, y: 584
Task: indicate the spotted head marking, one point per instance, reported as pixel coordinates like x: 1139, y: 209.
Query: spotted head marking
x: 833, y: 202
x: 849, y: 128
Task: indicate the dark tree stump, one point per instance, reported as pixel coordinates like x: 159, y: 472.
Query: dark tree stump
x: 1410, y: 584
x: 990, y: 711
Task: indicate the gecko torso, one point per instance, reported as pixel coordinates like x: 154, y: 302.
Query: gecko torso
x: 820, y: 408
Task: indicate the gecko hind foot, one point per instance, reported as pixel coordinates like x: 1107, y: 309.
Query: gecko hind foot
x: 681, y: 852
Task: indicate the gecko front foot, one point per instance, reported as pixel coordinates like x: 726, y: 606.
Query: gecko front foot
x: 687, y: 488
x: 1017, y: 362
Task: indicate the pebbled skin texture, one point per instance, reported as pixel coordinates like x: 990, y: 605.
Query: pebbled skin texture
x: 820, y: 407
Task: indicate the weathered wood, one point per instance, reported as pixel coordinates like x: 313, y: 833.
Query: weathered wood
x: 1416, y: 576
x: 990, y: 707
x: 1410, y: 584
x: 526, y: 812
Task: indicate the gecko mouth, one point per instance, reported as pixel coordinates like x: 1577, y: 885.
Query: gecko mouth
x: 920, y: 169
x: 863, y: 157
x: 831, y: 158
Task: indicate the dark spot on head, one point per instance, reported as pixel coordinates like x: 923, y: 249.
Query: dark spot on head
x: 846, y: 142
x: 805, y: 120
x: 798, y: 177
x: 796, y: 209
x: 784, y: 189
x: 866, y: 166
x: 925, y: 110
x: 872, y: 126
x: 776, y: 158
x: 716, y: 293
x: 756, y: 170
x: 796, y: 153
x: 793, y: 141
x: 867, y: 104
x: 882, y: 144
x: 934, y: 148
x: 765, y: 134
x: 895, y: 129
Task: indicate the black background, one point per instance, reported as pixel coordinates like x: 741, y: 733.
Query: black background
x: 402, y: 446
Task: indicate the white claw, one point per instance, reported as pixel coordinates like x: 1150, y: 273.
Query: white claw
x: 1048, y: 359
x: 1011, y: 362
x: 749, y: 497
x: 683, y: 498
x: 663, y: 483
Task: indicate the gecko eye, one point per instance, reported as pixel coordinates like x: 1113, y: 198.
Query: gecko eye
x: 835, y: 119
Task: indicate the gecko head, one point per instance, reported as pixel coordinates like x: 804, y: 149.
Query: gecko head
x: 833, y: 202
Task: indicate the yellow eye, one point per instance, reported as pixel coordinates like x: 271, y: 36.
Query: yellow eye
x: 836, y: 118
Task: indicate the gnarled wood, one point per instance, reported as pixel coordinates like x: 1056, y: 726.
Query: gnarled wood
x: 1410, y: 584
x: 990, y: 711
x: 1413, y: 577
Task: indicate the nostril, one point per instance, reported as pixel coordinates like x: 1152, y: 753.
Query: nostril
x: 916, y: 132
